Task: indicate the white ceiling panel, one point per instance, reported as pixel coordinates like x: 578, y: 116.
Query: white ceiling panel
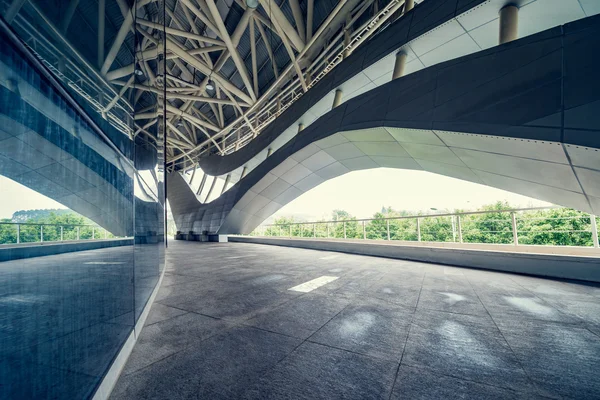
x: 369, y: 135
x: 305, y: 152
x: 382, y: 149
x: 318, y: 161
x: 590, y: 180
x: 344, y: 151
x: 257, y: 203
x: 284, y: 167
x: 486, y: 35
x: 415, y: 136
x: 331, y: 141
x: 546, y: 173
x: 396, y: 162
x: 544, y: 14
x: 453, y: 171
x: 332, y: 170
x: 546, y: 151
x: 290, y: 194
x: 455, y: 48
x: 275, y: 189
x: 584, y: 156
x: 537, y: 191
x: 355, y: 164
x: 295, y: 174
x: 434, y: 153
x: 309, y: 182
x: 436, y: 37
x: 264, y: 182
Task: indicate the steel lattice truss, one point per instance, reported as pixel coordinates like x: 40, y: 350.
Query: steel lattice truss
x: 231, y: 69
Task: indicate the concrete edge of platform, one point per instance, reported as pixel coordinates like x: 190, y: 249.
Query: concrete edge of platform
x: 18, y: 252
x: 582, y: 268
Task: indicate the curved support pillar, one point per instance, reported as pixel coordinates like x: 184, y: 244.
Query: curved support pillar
x: 337, y: 99
x: 509, y: 24
x: 399, y: 65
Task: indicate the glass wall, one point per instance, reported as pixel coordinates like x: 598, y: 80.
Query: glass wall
x: 82, y: 203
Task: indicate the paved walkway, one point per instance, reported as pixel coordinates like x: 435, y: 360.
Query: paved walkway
x: 225, y: 325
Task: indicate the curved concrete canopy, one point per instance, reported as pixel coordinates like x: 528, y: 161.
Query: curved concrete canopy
x: 523, y: 117
x: 435, y: 31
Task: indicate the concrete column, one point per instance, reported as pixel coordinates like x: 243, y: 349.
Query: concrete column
x: 227, y: 179
x: 337, y: 100
x: 300, y: 127
x: 408, y: 5
x: 399, y: 65
x: 509, y: 24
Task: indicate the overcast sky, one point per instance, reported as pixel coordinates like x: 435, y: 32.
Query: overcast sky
x: 361, y: 193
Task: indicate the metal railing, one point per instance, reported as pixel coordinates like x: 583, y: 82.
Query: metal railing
x: 20, y: 233
x: 525, y: 226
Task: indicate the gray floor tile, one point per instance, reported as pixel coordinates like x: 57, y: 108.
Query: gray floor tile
x: 417, y: 384
x: 160, y: 312
x: 466, y: 347
x: 300, y: 317
x: 318, y: 372
x: 225, y: 365
x: 562, y: 359
x: 370, y: 326
x: 170, y: 336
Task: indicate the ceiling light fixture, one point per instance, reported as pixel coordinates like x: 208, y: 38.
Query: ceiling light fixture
x: 138, y: 72
x: 252, y: 3
x: 210, y: 86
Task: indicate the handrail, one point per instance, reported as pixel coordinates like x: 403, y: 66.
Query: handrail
x: 424, y: 215
x: 511, y: 235
x: 41, y: 225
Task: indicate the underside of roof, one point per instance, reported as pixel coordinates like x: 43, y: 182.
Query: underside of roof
x: 232, y: 66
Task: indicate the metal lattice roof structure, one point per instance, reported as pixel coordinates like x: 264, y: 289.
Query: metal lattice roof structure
x: 230, y: 69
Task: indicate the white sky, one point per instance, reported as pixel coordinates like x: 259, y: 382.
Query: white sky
x: 361, y: 193
x: 16, y: 197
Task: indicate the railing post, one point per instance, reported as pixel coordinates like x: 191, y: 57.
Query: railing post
x: 419, y: 229
x: 280, y: 235
x: 594, y: 230
x: 105, y: 234
x: 314, y: 230
x: 93, y: 232
x: 514, y: 229
x: 344, y: 229
x: 77, y: 233
x: 61, y: 234
x: 453, y: 228
x: 388, y: 228
x: 290, y: 231
x: 18, y: 233
x: 42, y: 233
x: 364, y: 231
x: 328, y: 230
x: 460, y: 238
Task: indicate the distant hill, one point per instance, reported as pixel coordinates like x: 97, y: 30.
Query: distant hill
x: 36, y: 215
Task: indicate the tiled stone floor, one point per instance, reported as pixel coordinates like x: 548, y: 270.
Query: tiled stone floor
x: 225, y: 325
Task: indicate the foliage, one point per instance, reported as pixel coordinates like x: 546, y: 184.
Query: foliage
x: 52, y: 220
x: 558, y: 226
